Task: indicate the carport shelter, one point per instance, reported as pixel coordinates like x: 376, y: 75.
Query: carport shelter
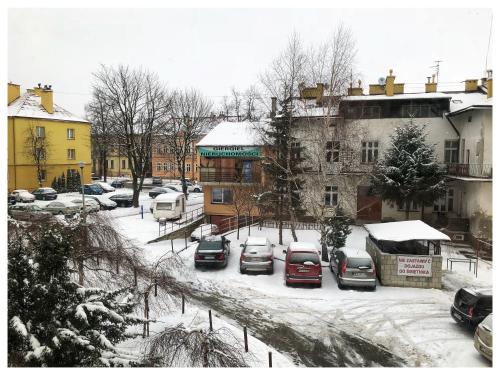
x: 406, y: 253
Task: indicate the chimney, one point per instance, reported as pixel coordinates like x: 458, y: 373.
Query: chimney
x: 47, y: 99
x: 470, y: 85
x: 273, y: 106
x: 431, y: 86
x: 355, y: 91
x: 489, y: 84
x: 389, y: 84
x: 13, y: 92
x: 320, y: 90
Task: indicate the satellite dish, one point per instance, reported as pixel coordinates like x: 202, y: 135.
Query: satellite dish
x: 381, y: 81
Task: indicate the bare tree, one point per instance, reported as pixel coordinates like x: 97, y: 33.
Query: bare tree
x: 236, y: 103
x: 138, y: 104
x: 189, y: 116
x: 250, y: 98
x: 99, y: 114
x: 36, y: 149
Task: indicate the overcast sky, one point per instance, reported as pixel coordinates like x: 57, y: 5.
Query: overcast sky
x: 215, y: 49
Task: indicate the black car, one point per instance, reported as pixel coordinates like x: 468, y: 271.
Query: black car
x: 122, y: 200
x: 471, y: 306
x: 94, y: 177
x: 45, y: 194
x: 157, y: 181
x: 212, y: 251
x: 118, y: 184
x: 92, y: 189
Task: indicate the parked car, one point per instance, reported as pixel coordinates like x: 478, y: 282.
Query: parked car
x: 92, y: 189
x: 118, y: 183
x: 471, y: 306
x: 29, y: 212
x: 122, y: 200
x: 483, y: 337
x: 62, y: 208
x: 302, y: 264
x: 44, y: 193
x: 157, y: 181
x: 105, y: 186
x: 257, y: 255
x: 90, y: 204
x: 204, y: 230
x: 353, y: 267
x: 212, y: 251
x: 11, y: 199
x: 174, y: 187
x: 104, y: 202
x: 160, y: 190
x: 191, y: 188
x: 23, y: 196
x: 94, y: 177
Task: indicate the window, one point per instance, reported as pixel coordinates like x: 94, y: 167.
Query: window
x: 331, y: 196
x: 188, y: 167
x: 413, y: 206
x: 295, y: 150
x: 40, y: 132
x: 369, y: 151
x: 40, y: 153
x: 445, y: 203
x: 70, y: 133
x: 158, y: 166
x: 43, y: 175
x: 469, y: 119
x: 332, y: 151
x: 451, y: 151
x: 71, y: 154
x: 188, y: 148
x: 111, y: 164
x: 371, y: 112
x: 222, y: 195
x: 415, y: 110
x: 124, y: 164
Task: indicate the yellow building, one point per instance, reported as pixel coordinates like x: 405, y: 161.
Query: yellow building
x: 36, y: 123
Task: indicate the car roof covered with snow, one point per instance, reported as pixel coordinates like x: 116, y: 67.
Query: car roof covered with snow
x: 355, y: 253
x: 256, y: 241
x: 399, y: 231
x: 302, y: 246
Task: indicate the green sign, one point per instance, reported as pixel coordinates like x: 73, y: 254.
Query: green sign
x: 230, y: 151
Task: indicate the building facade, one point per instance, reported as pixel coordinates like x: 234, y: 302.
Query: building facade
x: 43, y: 136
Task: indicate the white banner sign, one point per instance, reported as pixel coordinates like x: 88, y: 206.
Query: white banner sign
x: 414, y: 266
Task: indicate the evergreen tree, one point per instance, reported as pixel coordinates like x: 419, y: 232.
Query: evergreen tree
x: 54, y: 321
x: 70, y: 182
x: 59, y: 184
x: 54, y: 184
x: 283, y: 170
x: 337, y: 230
x: 64, y: 188
x: 409, y: 171
x: 77, y: 182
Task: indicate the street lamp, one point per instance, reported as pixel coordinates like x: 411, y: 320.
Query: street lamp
x: 81, y: 165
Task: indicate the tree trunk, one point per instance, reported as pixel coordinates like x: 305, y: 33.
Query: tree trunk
x: 135, y: 188
x: 407, y: 210
x: 422, y: 211
x: 81, y: 274
x: 237, y: 227
x: 324, y: 249
x: 280, y: 218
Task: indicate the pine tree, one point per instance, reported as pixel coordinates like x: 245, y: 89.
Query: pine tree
x: 70, y: 182
x: 409, y: 171
x: 59, y: 184
x: 283, y: 170
x: 77, y: 182
x: 54, y: 321
x: 64, y: 188
x: 337, y: 229
x: 54, y: 184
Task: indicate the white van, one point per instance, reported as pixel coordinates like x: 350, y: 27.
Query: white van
x: 169, y: 206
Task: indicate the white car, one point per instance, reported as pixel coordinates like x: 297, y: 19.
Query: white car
x: 204, y: 230
x: 105, y: 186
x: 62, y: 208
x: 23, y: 196
x: 191, y: 188
x: 90, y: 204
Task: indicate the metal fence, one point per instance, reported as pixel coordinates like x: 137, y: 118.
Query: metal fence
x: 229, y: 175
x: 288, y: 225
x: 165, y: 226
x: 470, y: 170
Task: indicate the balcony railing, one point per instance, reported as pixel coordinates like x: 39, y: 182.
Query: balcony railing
x: 470, y: 170
x: 229, y: 175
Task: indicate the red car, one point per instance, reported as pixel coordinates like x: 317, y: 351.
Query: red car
x: 302, y: 264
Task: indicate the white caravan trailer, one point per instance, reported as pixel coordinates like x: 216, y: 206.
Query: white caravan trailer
x: 169, y: 206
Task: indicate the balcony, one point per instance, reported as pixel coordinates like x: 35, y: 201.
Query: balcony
x: 470, y: 170
x: 230, y: 175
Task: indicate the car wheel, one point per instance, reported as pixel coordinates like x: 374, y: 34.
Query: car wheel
x: 242, y: 271
x: 271, y: 271
x: 287, y: 283
x: 196, y: 265
x: 331, y: 268
x: 374, y: 288
x: 339, y: 283
x: 196, y: 190
x: 319, y: 285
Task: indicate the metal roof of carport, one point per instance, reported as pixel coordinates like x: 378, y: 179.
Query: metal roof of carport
x: 400, y: 231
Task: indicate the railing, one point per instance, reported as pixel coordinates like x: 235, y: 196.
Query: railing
x: 470, y: 170
x: 186, y: 218
x: 288, y: 225
x: 229, y: 175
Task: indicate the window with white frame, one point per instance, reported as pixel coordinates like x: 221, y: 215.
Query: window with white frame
x: 70, y: 133
x: 222, y: 196
x: 188, y: 167
x: 331, y: 195
x: 158, y: 166
x: 413, y: 206
x: 295, y: 150
x: 71, y: 154
x: 445, y: 204
x: 332, y: 151
x: 369, y: 151
x: 451, y: 151
x: 111, y: 164
x: 165, y: 166
x: 40, y: 132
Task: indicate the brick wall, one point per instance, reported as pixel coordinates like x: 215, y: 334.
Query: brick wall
x: 387, y: 269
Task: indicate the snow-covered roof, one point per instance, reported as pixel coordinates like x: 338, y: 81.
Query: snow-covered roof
x: 309, y: 108
x: 167, y: 197
x: 420, y: 95
x: 302, y: 246
x: 400, y: 231
x: 29, y: 105
x: 467, y: 100
x: 227, y: 133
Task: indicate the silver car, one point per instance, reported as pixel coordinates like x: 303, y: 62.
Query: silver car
x: 353, y: 267
x: 90, y: 204
x: 62, y: 208
x: 257, y: 255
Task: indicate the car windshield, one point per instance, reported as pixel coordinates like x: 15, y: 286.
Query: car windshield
x: 164, y: 205
x: 359, y: 262
x: 210, y: 245
x: 300, y: 258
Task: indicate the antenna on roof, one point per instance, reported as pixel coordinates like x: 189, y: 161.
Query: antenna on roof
x: 437, y: 68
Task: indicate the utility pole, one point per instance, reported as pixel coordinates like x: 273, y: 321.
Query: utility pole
x: 437, y: 68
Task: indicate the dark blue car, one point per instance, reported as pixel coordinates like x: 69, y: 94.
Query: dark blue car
x: 92, y: 189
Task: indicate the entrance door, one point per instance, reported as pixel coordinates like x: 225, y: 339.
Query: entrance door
x: 369, y: 207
